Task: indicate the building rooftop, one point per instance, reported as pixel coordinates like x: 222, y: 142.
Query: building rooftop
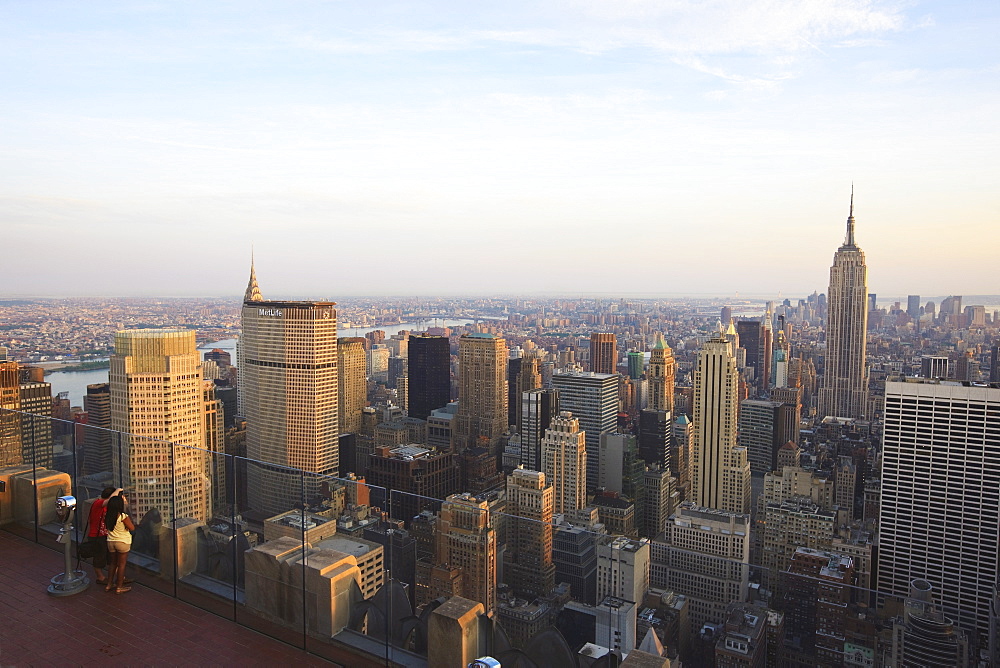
x: 270, y: 303
x: 593, y: 651
x: 397, y: 426
x: 688, y: 511
x: 612, y: 502
x: 299, y: 520
x: 627, y: 544
x: 409, y: 451
x: 357, y: 547
x: 583, y: 374
x: 447, y: 412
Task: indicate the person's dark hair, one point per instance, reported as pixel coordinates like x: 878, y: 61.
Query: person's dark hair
x: 115, y: 508
x: 107, y: 492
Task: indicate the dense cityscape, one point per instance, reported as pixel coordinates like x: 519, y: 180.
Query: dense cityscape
x: 535, y: 334
x: 548, y: 481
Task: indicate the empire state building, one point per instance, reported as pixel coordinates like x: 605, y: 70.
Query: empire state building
x: 845, y: 381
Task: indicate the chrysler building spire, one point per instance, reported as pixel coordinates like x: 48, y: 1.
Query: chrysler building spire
x: 253, y: 290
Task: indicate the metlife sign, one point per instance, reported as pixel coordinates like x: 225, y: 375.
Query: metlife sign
x: 272, y: 312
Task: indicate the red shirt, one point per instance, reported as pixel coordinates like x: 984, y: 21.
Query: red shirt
x: 97, y: 528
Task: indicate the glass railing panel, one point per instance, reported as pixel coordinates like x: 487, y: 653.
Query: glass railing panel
x: 93, y: 481
x: 30, y: 481
x: 210, y: 549
x: 210, y: 531
x: 148, y: 469
x: 269, y: 509
x: 419, y: 577
x: 345, y: 568
x: 97, y: 459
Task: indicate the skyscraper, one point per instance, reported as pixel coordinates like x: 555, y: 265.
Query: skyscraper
x: 975, y: 316
x: 564, y: 462
x: 913, y: 306
x: 620, y: 469
x: 527, y: 378
x: 97, y: 444
x: 529, y: 569
x: 655, y: 436
x: 417, y: 477
x: 934, y: 366
x: 10, y: 422
x: 816, y: 589
x: 513, y: 396
x: 466, y: 539
x: 659, y: 499
x: 574, y: 552
x: 397, y: 370
x: 215, y: 444
x: 660, y: 376
x: 482, y: 392
x: 790, y: 412
x: 288, y: 381
x: 157, y: 405
x: 766, y: 353
x: 721, y: 471
x: 995, y: 362
x: 538, y: 407
x: 623, y: 569
x: 761, y: 433
x: 682, y: 454
x: 779, y: 360
x: 592, y: 398
x: 845, y: 378
x: 429, y: 373
x: 378, y: 362
x: 352, y: 383
x: 966, y: 367
x: 636, y: 363
x: 36, y: 423
x: 941, y: 495
x: 603, y: 352
x: 951, y: 310
x: 750, y: 336
x: 704, y: 554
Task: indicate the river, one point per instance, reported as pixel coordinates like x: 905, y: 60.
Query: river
x: 76, y: 382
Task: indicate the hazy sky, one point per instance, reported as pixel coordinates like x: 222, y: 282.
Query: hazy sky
x: 510, y: 147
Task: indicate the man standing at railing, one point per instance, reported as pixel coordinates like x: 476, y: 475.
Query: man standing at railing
x: 97, y: 533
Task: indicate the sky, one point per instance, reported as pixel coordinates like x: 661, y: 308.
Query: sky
x: 550, y: 146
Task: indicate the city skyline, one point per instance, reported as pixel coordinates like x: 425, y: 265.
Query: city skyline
x: 414, y: 133
x: 776, y: 524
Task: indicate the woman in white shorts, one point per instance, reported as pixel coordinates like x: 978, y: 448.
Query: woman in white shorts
x: 120, y: 528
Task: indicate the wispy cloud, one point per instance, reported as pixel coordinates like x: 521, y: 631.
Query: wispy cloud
x: 669, y: 122
x: 688, y: 33
x: 680, y: 27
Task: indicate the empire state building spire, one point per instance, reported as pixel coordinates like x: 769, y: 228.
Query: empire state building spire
x: 845, y: 380
x: 253, y: 290
x: 849, y: 240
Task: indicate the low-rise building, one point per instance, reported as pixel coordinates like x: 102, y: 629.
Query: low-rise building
x: 299, y: 525
x: 743, y: 641
x: 369, y: 555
